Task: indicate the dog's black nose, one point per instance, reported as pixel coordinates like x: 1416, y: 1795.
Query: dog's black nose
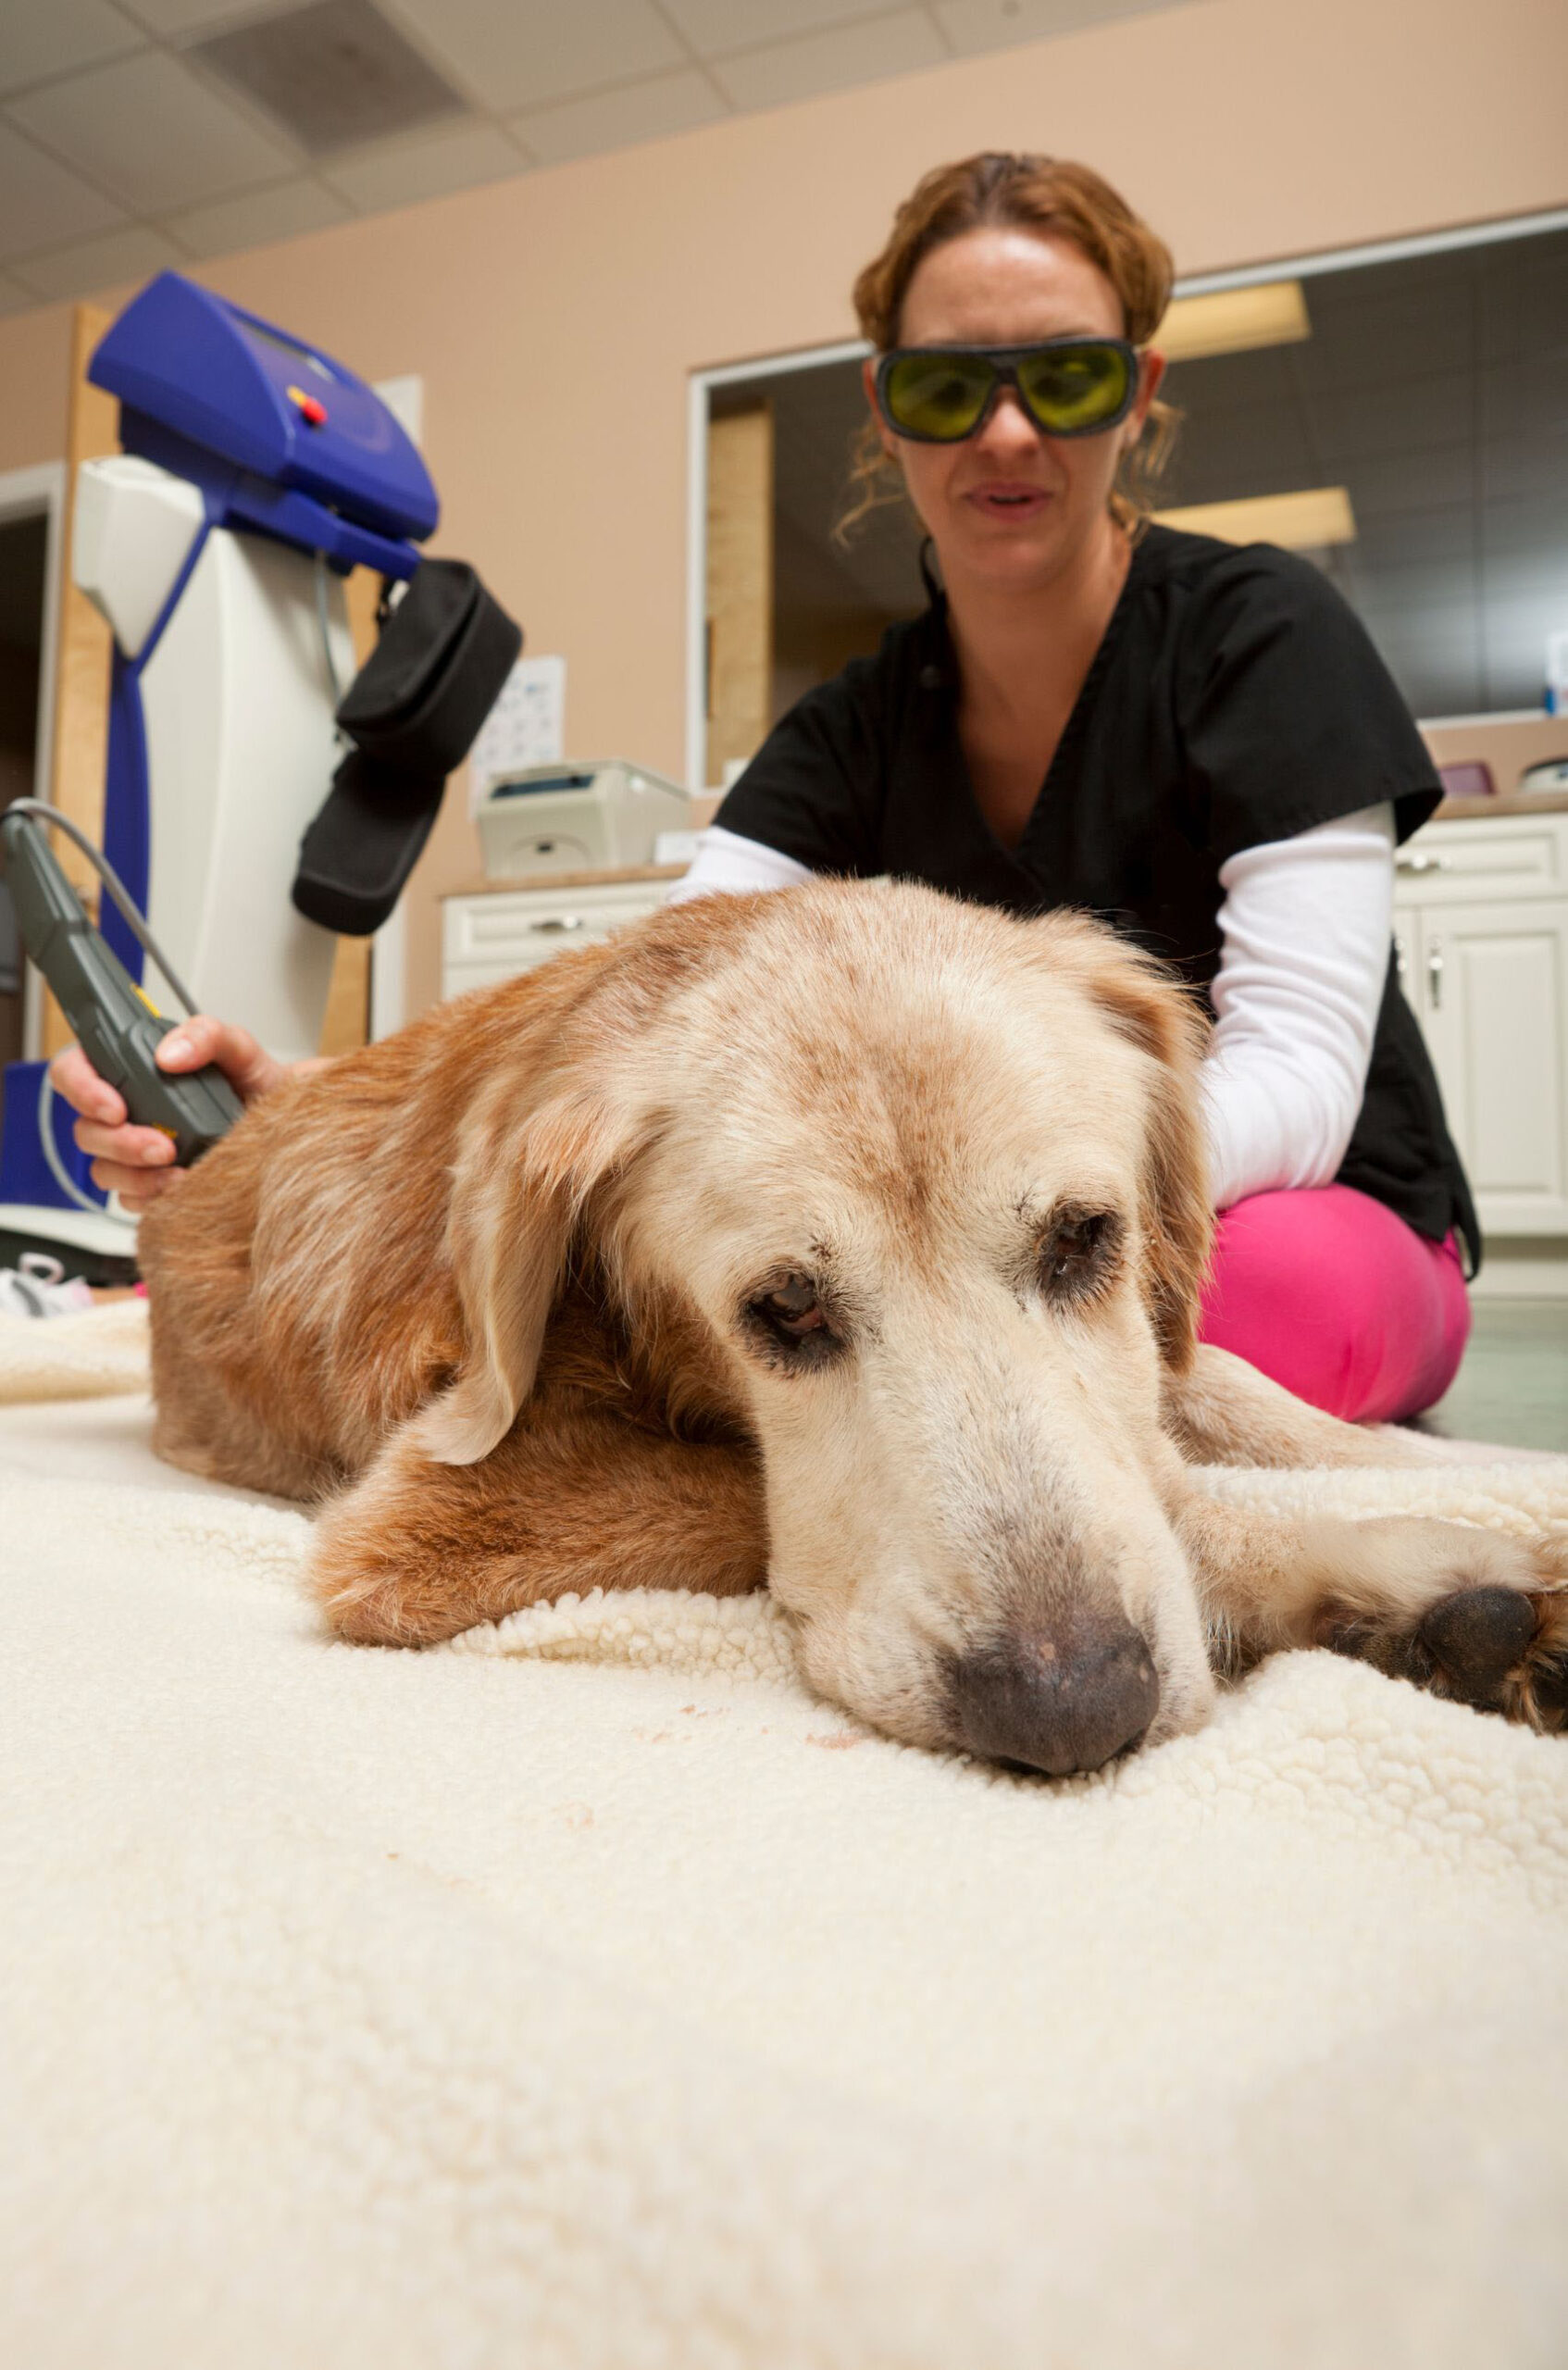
x: 1060, y: 1700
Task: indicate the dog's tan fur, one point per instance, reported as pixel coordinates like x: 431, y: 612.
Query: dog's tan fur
x: 484, y: 1290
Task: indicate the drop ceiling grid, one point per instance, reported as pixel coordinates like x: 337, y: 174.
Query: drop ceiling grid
x: 119, y: 148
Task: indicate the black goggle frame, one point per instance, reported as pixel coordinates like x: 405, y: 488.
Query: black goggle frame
x: 1004, y: 361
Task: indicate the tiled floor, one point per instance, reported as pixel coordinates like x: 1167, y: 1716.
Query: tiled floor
x: 1513, y: 1384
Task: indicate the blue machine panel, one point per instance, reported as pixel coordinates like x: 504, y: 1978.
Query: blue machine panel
x: 205, y: 374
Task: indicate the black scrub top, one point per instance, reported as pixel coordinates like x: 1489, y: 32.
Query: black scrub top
x: 1235, y: 700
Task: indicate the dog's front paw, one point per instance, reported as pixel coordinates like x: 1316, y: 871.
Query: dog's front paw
x: 1488, y: 1629
x: 1498, y: 1641
x: 1541, y: 1693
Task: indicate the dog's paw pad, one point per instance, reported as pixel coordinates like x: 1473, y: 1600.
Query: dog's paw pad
x: 1395, y: 1655
x: 1476, y: 1638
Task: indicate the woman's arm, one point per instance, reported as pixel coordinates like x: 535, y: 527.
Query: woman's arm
x: 1304, y: 953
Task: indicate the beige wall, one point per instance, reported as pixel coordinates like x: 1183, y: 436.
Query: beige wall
x: 555, y: 319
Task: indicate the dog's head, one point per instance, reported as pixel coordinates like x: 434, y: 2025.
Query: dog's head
x: 930, y: 1180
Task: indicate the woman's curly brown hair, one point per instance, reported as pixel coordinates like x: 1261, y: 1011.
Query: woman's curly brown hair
x: 1028, y: 193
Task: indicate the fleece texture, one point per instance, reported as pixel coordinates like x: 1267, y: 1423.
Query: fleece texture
x: 586, y: 1995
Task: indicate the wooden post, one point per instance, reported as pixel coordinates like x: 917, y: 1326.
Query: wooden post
x: 739, y: 586
x: 345, y: 1025
x: 84, y: 648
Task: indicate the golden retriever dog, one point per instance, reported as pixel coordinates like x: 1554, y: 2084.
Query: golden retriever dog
x: 844, y: 1240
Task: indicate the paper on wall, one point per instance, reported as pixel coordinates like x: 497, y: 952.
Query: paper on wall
x: 526, y: 727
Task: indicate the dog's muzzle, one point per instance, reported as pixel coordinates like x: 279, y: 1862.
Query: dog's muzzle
x: 1062, y: 1700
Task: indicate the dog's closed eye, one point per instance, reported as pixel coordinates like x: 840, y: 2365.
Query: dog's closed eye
x: 788, y: 1322
x: 1078, y: 1254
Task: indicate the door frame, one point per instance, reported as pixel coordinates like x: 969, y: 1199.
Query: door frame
x: 702, y: 384
x: 40, y: 492
x: 698, y: 388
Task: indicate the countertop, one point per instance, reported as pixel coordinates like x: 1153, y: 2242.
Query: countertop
x: 1453, y: 810
x: 1505, y: 802
x: 515, y: 882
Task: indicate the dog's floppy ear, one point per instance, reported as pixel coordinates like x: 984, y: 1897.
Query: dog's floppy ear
x: 1148, y: 1004
x: 563, y: 1113
x: 519, y: 1192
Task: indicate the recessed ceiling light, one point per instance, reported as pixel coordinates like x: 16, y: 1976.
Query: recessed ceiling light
x: 1307, y: 521
x: 1232, y: 320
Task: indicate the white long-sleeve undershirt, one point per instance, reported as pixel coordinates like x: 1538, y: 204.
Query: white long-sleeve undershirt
x: 1304, y: 936
x: 1304, y: 932
x: 725, y: 861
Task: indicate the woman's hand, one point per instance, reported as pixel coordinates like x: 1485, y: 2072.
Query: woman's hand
x: 137, y: 1163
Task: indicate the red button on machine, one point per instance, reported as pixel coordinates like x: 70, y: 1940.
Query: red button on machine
x: 312, y: 413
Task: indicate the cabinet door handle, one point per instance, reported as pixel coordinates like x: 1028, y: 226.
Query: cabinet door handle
x: 551, y: 925
x: 1421, y: 862
x: 1434, y: 976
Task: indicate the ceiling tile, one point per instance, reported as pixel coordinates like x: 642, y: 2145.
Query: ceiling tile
x: 43, y: 37
x: 974, y: 25
x: 716, y: 26
x: 1521, y: 618
x: 331, y: 75
x: 1402, y: 333
x: 41, y: 203
x: 622, y: 118
x: 1521, y: 466
x: 1418, y: 417
x: 831, y: 61
x: 1538, y: 524
x: 1525, y: 397
x: 132, y: 253
x: 403, y: 173
x: 1395, y: 482
x: 532, y: 51
x: 1432, y: 537
x: 261, y: 215
x: 151, y: 133
x: 1528, y: 576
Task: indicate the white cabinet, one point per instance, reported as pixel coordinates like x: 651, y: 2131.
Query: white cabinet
x: 499, y: 932
x: 1481, y: 933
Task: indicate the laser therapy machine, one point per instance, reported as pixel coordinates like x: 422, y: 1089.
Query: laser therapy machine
x: 259, y: 797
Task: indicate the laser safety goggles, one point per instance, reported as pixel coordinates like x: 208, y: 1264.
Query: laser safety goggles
x: 1069, y: 386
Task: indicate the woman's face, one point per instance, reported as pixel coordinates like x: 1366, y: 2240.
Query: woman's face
x: 1012, y: 505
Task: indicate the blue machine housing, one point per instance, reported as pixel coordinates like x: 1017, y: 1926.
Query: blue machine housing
x: 209, y: 385
x: 283, y: 442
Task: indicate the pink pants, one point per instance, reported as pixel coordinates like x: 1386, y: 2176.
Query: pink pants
x: 1328, y: 1293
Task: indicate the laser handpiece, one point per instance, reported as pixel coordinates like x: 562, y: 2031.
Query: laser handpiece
x: 117, y: 1024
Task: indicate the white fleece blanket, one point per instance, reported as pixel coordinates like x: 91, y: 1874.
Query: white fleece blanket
x: 587, y: 1996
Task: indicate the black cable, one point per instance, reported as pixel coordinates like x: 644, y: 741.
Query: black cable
x: 134, y: 919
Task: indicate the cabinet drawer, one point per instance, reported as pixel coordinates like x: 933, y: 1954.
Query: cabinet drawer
x: 532, y: 924
x: 1515, y: 856
x: 487, y: 939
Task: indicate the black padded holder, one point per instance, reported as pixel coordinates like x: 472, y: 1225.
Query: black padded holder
x: 363, y: 843
x: 413, y: 712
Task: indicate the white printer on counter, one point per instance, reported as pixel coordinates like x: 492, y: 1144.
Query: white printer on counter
x: 600, y: 815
